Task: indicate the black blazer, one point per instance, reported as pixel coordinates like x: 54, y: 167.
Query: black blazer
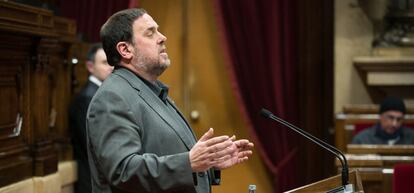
x: 77, y: 125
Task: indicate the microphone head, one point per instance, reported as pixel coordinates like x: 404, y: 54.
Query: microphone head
x: 266, y: 113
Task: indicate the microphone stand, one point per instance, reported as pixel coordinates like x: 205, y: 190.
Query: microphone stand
x: 345, y: 172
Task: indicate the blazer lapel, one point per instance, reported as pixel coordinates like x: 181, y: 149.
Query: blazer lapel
x: 172, y: 103
x: 159, y: 107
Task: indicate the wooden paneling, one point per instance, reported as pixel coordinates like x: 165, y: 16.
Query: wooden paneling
x: 209, y: 94
x: 35, y: 82
x: 26, y: 19
x: 315, y: 58
x: 14, y: 132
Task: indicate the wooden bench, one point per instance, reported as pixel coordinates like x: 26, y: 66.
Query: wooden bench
x: 376, y: 163
x: 356, y: 118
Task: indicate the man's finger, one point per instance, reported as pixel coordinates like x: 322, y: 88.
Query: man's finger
x: 241, y: 142
x: 222, y: 150
x: 207, y: 135
x: 226, y: 144
x: 216, y: 140
x: 219, y: 160
x: 245, y: 153
x: 244, y: 144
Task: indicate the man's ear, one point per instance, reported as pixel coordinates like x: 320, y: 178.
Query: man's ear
x: 89, y: 66
x: 124, y: 49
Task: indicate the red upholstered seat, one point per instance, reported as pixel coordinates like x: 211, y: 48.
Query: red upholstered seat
x: 403, y: 178
x: 360, y: 127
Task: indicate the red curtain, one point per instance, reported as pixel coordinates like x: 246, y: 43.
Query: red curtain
x: 90, y: 15
x: 259, y: 38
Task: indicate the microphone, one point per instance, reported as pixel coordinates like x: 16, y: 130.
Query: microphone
x: 345, y: 179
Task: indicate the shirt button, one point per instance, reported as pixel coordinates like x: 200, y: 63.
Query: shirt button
x: 201, y: 174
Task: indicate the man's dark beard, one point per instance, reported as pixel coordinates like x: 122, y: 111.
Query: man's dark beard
x: 158, y: 70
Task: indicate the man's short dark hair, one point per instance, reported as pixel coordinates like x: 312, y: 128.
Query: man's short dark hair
x: 116, y: 29
x: 92, y: 51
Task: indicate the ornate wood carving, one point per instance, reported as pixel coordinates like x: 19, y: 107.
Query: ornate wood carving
x: 35, y: 90
x: 14, y: 130
x: 22, y: 18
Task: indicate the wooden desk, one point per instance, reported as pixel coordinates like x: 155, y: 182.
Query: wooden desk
x: 375, y: 164
x: 381, y: 149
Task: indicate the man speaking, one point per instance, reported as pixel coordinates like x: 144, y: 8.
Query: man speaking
x: 138, y: 141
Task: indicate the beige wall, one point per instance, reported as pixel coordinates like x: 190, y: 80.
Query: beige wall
x: 353, y: 35
x: 60, y: 182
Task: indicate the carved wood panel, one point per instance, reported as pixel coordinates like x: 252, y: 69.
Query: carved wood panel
x: 14, y: 128
x: 43, y: 149
x: 35, y: 90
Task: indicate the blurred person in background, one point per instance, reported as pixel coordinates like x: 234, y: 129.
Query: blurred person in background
x: 99, y: 70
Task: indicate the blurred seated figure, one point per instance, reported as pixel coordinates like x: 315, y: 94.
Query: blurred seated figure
x: 389, y: 130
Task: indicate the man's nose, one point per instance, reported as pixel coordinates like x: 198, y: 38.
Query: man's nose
x: 394, y: 122
x: 162, y: 38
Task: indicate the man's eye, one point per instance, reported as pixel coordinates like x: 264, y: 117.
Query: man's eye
x: 150, y: 33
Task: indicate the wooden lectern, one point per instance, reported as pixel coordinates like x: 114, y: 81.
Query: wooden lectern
x: 331, y: 183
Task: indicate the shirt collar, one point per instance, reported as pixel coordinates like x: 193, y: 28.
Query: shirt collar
x: 379, y: 131
x: 160, y: 89
x: 95, y: 80
x: 163, y: 94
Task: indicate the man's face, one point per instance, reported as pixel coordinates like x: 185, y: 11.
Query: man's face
x: 149, y: 46
x: 100, y: 67
x: 391, y: 121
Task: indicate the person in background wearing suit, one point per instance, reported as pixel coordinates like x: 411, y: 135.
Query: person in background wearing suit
x: 99, y: 70
x: 138, y: 140
x: 389, y: 130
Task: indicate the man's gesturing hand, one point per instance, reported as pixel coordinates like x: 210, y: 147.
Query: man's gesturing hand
x: 241, y: 151
x: 209, y: 151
